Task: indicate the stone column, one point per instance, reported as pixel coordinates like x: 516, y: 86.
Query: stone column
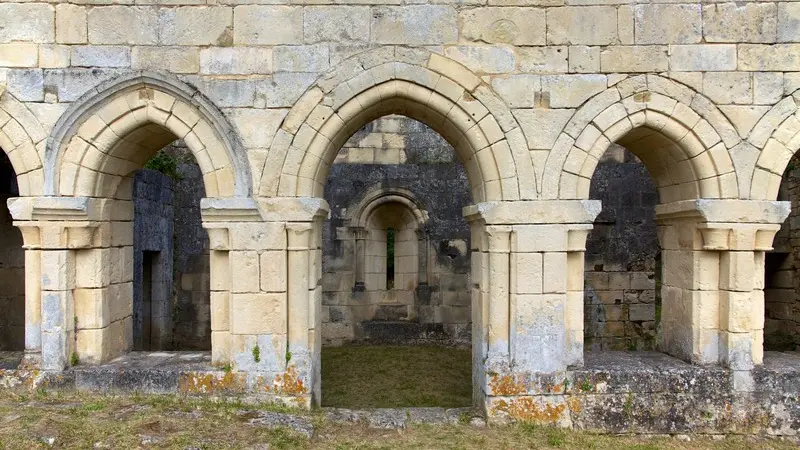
x: 33, y: 295
x: 56, y: 231
x: 527, y: 317
x: 360, y: 234
x: 423, y: 255
x: 265, y: 275
x: 713, y: 275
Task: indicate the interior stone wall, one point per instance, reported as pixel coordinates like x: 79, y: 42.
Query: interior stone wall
x: 167, y: 211
x: 152, y: 260
x: 12, y: 267
x: 622, y: 252
x: 781, y: 281
x: 397, y: 152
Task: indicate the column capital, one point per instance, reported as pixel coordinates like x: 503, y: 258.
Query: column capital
x: 263, y: 209
x: 299, y: 235
x: 359, y: 233
x: 728, y: 224
x: 534, y: 212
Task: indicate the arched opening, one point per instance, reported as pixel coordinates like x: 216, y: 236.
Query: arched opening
x: 396, y: 254
x: 781, y: 278
x: 171, y: 292
x: 138, y: 284
x: 12, y: 274
x: 621, y: 293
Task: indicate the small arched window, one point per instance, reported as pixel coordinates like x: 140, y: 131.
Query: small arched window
x: 389, y: 258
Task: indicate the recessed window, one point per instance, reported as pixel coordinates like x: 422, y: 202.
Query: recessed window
x: 390, y: 258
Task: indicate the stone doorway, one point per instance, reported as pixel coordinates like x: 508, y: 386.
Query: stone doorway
x: 396, y: 248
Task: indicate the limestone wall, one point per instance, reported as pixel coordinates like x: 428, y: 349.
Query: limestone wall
x: 397, y: 152
x: 152, y: 261
x: 622, y: 251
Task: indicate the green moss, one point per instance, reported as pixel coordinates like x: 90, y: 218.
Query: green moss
x: 256, y: 354
x: 164, y: 163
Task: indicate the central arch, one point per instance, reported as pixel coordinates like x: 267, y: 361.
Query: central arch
x: 442, y: 94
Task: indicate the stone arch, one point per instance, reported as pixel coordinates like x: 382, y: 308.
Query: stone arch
x: 426, y: 87
x: 20, y: 136
x: 115, y: 128
x: 691, y: 136
x: 381, y: 196
x: 777, y: 135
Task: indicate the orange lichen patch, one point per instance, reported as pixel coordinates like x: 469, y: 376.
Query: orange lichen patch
x: 204, y: 383
x: 506, y: 385
x: 290, y: 383
x: 554, y: 389
x: 574, y: 404
x: 528, y: 409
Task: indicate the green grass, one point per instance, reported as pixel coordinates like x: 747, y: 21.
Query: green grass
x: 80, y: 420
x: 396, y: 376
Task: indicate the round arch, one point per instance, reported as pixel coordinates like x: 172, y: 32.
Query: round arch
x: 685, y: 151
x: 441, y: 93
x: 20, y: 134
x: 777, y: 135
x: 381, y: 196
x: 115, y: 128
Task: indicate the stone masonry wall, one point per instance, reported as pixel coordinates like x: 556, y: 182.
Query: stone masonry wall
x: 152, y: 260
x: 397, y: 152
x: 168, y: 221
x: 781, y: 284
x: 622, y: 251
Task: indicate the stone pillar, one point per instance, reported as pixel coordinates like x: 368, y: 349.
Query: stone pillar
x: 265, y: 280
x: 527, y: 262
x: 57, y: 231
x: 360, y: 234
x: 713, y: 278
x: 33, y: 296
x: 423, y: 255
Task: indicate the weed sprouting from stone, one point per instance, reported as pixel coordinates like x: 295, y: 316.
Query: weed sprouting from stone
x: 74, y: 360
x: 256, y: 354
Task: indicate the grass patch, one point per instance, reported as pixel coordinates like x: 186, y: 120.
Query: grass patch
x: 80, y: 420
x: 368, y: 376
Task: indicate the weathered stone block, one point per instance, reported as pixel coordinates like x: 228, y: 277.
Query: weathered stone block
x: 702, y: 57
x: 33, y: 22
x: 551, y: 59
x: 245, y: 265
x: 273, y: 271
x: 788, y: 22
x: 100, y: 56
x: 583, y: 59
x: 336, y: 24
x: 26, y: 85
x: 54, y: 56
x: 740, y: 22
x: 668, y: 24
x: 778, y: 57
x: 236, y: 60
x: 414, y: 25
x: 18, y: 55
x: 589, y: 25
x: 258, y: 313
x: 302, y: 58
x: 570, y: 91
x: 123, y: 25
x: 71, y: 24
x: 195, y: 26
x: 542, y: 126
x: 651, y: 58
x: 728, y: 87
x: 516, y: 26
x: 267, y: 25
x: 173, y: 59
x: 481, y: 59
